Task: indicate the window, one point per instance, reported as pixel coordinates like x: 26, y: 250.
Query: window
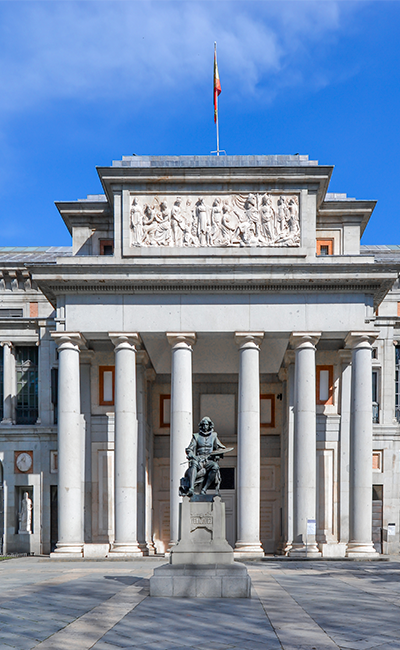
x: 324, y: 247
x: 267, y: 411
x: 375, y: 395
x: 324, y: 384
x: 165, y: 411
x: 106, y: 247
x: 54, y: 392
x: 106, y: 385
x: 26, y: 362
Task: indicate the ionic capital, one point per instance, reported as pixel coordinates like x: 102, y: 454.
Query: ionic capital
x: 181, y: 339
x: 359, y: 340
x: 302, y: 340
x: 9, y: 344
x: 69, y: 341
x: 125, y: 340
x: 249, y: 340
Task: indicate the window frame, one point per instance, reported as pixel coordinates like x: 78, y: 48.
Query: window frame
x: 102, y: 370
x: 324, y: 242
x: 318, y: 369
x: 271, y: 397
x: 163, y: 398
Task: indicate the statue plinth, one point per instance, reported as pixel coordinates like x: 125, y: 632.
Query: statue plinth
x: 201, y: 563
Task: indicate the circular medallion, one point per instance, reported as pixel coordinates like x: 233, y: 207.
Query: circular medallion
x: 24, y: 462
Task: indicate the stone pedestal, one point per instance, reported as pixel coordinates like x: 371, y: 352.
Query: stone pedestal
x: 201, y: 563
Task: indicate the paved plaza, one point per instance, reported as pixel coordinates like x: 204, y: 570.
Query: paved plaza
x: 314, y: 605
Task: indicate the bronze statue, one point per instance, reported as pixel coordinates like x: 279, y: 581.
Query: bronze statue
x: 203, y: 455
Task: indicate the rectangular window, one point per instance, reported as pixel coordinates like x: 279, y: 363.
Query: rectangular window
x: 377, y: 461
x: 106, y: 247
x: 26, y: 363
x: 106, y: 385
x: 267, y: 411
x: 375, y: 397
x: 324, y: 384
x: 165, y: 411
x: 324, y: 247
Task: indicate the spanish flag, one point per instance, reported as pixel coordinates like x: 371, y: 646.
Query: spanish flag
x: 217, y: 84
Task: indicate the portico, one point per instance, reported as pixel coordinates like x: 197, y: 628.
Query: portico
x: 251, y: 328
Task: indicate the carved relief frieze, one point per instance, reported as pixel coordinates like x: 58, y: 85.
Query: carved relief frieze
x: 259, y: 219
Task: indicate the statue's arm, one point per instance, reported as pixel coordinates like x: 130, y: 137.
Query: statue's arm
x: 218, y: 444
x: 192, y: 448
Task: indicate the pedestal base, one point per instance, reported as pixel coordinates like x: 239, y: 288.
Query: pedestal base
x: 206, y: 581
x: 302, y: 551
x: 67, y: 551
x: 250, y: 551
x: 360, y: 550
x: 125, y: 550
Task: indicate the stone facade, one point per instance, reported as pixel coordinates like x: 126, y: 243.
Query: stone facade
x: 233, y: 287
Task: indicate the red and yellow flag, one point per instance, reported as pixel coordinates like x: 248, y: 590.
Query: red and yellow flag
x: 217, y: 85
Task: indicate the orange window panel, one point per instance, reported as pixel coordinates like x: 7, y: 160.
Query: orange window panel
x: 267, y: 411
x: 106, y: 385
x: 165, y: 409
x: 324, y: 247
x: 324, y: 384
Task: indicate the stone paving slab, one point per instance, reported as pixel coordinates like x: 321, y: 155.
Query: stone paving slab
x: 105, y: 606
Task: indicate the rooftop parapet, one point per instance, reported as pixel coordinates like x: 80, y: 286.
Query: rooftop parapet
x: 215, y: 161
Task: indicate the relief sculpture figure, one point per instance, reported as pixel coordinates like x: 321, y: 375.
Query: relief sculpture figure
x: 232, y: 221
x: 203, y: 453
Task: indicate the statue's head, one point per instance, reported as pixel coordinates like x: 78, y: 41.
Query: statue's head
x: 206, y: 425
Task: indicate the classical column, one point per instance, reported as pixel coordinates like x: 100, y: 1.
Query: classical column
x: 248, y: 469
x: 125, y: 446
x: 8, y: 383
x: 360, y: 534
x: 344, y: 453
x: 142, y: 359
x: 304, y: 461
x: 70, y: 447
x: 181, y: 427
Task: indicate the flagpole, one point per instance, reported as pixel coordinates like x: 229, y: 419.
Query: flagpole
x: 217, y: 122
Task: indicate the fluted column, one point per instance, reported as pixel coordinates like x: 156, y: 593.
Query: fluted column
x: 125, y: 446
x: 8, y: 383
x: 70, y: 447
x: 304, y: 461
x: 248, y: 470
x: 181, y: 427
x: 360, y: 520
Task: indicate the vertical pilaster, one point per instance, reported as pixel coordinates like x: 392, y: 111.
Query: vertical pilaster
x: 70, y: 447
x: 360, y: 537
x: 181, y: 427
x: 126, y: 446
x: 248, y: 469
x: 304, y: 461
x: 8, y: 383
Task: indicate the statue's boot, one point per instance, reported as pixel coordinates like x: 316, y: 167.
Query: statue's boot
x: 191, y: 473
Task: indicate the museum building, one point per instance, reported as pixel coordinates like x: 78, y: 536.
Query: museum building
x: 233, y: 287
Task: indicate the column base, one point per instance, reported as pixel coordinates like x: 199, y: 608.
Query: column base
x: 361, y: 550
x: 7, y: 422
x: 126, y: 550
x: 303, y: 551
x: 67, y: 551
x: 245, y: 550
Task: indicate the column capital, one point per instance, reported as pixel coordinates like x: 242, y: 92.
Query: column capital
x: 304, y: 339
x: 356, y: 340
x: 124, y: 340
x: 181, y: 339
x: 71, y: 340
x: 8, y: 343
x: 249, y: 339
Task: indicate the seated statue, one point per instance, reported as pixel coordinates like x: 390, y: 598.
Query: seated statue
x: 203, y: 455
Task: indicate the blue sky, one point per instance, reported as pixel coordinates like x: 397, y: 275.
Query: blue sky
x: 83, y: 83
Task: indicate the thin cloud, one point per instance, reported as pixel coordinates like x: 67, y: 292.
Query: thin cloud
x: 141, y: 49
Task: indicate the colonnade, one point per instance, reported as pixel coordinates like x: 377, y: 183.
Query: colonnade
x: 71, y: 441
